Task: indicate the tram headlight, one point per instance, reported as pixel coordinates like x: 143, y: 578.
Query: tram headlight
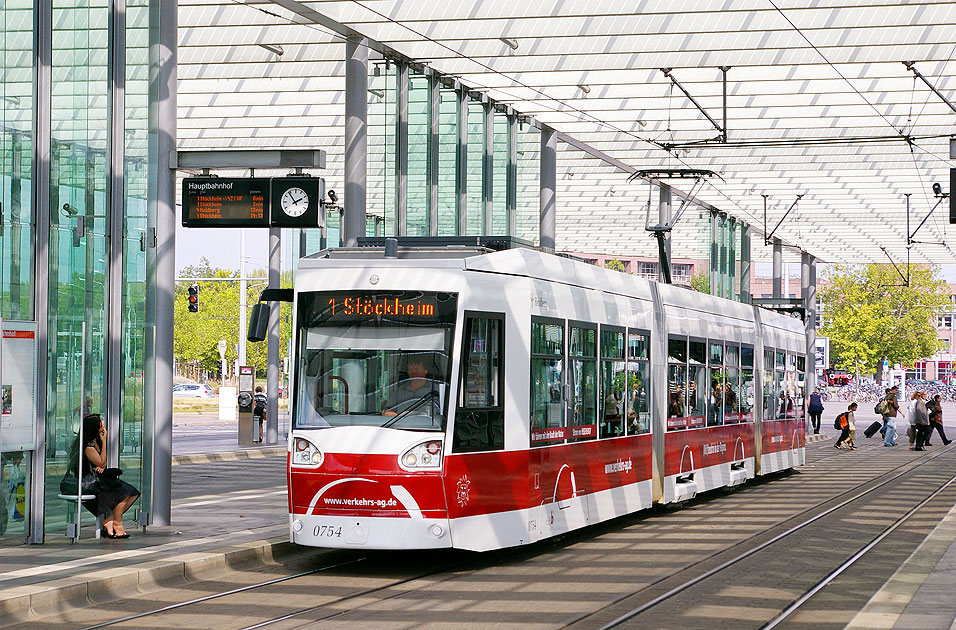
x: 424, y: 456
x: 305, y: 453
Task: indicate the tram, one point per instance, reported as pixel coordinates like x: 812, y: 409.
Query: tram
x: 482, y: 400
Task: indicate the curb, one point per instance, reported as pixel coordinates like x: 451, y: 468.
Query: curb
x: 25, y: 603
x: 229, y: 456
x: 818, y: 437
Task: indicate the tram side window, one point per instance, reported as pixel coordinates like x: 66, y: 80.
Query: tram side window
x: 547, y: 382
x: 769, y: 396
x: 718, y: 385
x: 697, y: 384
x: 638, y: 384
x: 480, y: 421
x: 799, y: 398
x: 582, y: 366
x: 747, y: 393
x: 779, y: 381
x: 613, y: 375
x: 732, y: 384
x: 676, y: 383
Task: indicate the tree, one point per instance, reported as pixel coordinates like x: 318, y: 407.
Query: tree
x: 869, y: 315
x: 700, y: 281
x: 615, y: 265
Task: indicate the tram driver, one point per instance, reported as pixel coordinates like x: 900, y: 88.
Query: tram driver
x: 415, y: 389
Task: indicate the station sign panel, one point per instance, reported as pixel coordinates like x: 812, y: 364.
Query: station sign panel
x: 225, y: 202
x: 282, y: 202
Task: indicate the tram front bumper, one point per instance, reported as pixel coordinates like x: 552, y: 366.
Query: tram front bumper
x: 369, y: 532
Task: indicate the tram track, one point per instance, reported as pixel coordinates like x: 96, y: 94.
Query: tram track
x: 312, y: 614
x: 798, y: 602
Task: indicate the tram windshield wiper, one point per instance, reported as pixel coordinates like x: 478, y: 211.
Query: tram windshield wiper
x: 418, y: 403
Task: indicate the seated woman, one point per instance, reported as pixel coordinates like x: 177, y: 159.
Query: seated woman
x: 113, y: 496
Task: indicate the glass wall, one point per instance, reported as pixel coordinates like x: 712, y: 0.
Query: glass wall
x: 448, y: 162
x: 499, y: 191
x: 381, y: 119
x: 528, y: 191
x: 476, y: 156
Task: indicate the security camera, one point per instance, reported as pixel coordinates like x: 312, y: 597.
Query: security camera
x: 333, y: 196
x: 937, y: 189
x: 69, y: 210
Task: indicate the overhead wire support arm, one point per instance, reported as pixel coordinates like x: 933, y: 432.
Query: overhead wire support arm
x: 911, y: 66
x: 768, y: 237
x: 722, y: 130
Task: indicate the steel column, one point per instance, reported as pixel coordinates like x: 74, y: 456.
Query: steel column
x: 43, y: 47
x: 731, y: 291
x: 745, y: 263
x: 808, y: 292
x: 356, y: 139
x: 512, y: 179
x: 161, y: 265
x: 116, y: 198
x: 272, y: 360
x: 434, y: 105
x: 488, y: 170
x: 714, y: 253
x: 401, y: 152
x: 461, y: 163
x: 777, y: 268
x: 722, y: 260
x: 548, y: 180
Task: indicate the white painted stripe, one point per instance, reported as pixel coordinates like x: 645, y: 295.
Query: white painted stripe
x: 228, y: 499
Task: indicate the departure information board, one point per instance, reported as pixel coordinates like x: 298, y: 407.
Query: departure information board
x: 225, y: 202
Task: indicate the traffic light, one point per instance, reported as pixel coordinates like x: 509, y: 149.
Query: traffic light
x: 193, y: 298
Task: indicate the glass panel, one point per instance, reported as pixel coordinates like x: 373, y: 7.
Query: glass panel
x: 612, y: 344
x: 479, y: 421
x: 16, y: 150
x: 418, y: 141
x: 134, y: 250
x: 77, y: 288
x: 547, y: 339
x: 732, y: 355
x: 480, y: 386
x: 636, y: 346
x: 499, y: 190
x: 381, y: 120
x: 447, y: 162
x: 583, y: 342
x: 613, y: 375
x: 639, y: 387
x: 747, y: 394
x: 677, y: 350
x: 747, y: 356
x: 769, y: 396
x: 731, y: 396
x: 717, y: 385
x: 547, y: 402
x: 698, y: 352
x: 583, y: 405
x: 716, y: 354
x: 676, y: 388
x: 529, y: 186
x: 696, y: 394
x: 476, y: 157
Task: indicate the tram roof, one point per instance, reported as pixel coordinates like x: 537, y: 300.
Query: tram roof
x: 819, y: 103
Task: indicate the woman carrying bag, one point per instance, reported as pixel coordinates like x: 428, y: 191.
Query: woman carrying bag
x: 113, y: 495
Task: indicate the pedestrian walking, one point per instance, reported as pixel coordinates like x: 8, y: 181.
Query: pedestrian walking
x: 935, y: 408
x: 815, y: 410
x: 844, y: 422
x: 891, y: 409
x: 920, y: 420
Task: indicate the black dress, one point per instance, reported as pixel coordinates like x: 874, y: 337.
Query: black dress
x: 109, y: 492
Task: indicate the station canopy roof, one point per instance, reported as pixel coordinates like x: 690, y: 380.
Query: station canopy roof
x: 819, y: 103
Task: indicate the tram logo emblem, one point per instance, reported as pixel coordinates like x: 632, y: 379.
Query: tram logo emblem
x: 464, y: 490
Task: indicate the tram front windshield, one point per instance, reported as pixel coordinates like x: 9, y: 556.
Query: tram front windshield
x: 373, y: 359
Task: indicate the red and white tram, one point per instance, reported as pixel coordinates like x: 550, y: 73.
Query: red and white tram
x: 487, y: 400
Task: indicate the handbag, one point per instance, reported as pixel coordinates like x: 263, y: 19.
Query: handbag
x: 68, y: 484
x: 111, y: 473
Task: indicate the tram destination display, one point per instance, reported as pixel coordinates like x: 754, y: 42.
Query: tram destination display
x: 226, y: 202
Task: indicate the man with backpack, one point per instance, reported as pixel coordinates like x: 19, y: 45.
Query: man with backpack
x: 844, y: 422
x: 259, y: 408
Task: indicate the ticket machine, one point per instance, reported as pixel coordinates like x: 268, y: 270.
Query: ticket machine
x: 246, y: 400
